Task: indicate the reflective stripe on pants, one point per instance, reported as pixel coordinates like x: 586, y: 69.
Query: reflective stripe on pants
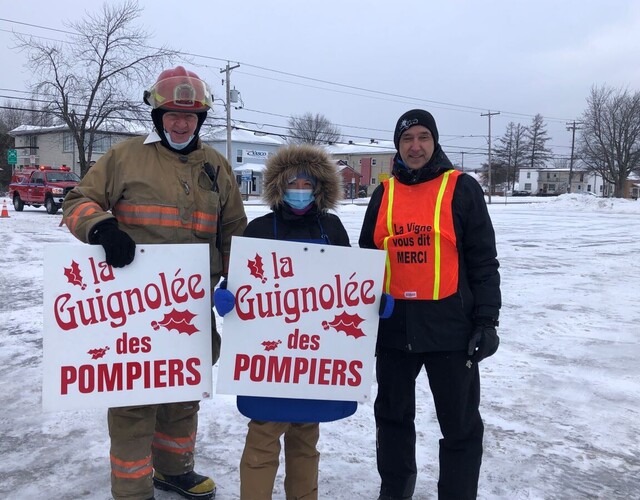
x: 144, y: 437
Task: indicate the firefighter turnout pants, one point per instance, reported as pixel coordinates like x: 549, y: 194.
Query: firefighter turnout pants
x: 146, y: 437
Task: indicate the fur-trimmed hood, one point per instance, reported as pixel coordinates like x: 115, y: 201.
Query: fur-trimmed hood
x: 312, y: 160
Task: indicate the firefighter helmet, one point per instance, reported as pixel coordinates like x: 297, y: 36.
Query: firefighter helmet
x: 179, y: 90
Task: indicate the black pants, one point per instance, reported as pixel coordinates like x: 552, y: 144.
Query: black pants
x: 456, y: 394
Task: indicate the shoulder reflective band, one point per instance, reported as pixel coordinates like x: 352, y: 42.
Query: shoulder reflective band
x: 436, y: 227
x: 387, y: 282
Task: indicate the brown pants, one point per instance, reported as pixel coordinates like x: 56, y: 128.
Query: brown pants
x: 147, y: 437
x: 261, y: 457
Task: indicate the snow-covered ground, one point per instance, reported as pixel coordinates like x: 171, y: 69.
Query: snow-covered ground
x: 561, y: 398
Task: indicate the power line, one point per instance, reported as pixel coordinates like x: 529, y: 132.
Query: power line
x: 261, y: 125
x: 260, y: 130
x: 339, y: 87
x: 450, y: 106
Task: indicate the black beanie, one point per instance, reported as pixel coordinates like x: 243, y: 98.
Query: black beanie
x: 415, y: 117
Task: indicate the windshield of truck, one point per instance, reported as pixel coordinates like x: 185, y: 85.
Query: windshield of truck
x: 62, y: 177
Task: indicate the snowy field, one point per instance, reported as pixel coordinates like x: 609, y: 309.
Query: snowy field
x: 561, y: 398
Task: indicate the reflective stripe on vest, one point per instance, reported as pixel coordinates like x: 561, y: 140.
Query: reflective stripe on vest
x: 415, y: 228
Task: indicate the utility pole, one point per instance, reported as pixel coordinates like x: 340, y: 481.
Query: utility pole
x: 490, y: 114
x: 227, y: 71
x: 462, y: 164
x: 506, y: 189
x: 573, y: 127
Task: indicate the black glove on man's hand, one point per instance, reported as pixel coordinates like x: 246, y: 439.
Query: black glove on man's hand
x: 118, y: 246
x: 484, y: 340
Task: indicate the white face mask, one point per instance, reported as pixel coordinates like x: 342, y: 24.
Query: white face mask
x: 177, y: 145
x: 298, y: 198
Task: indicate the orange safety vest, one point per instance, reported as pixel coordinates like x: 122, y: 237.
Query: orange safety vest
x: 415, y: 227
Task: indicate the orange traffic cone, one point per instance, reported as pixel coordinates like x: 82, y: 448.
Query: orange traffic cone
x: 5, y: 212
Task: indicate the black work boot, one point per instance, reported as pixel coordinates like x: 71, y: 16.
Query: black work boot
x: 190, y: 485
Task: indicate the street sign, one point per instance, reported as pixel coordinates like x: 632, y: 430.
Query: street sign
x: 247, y: 174
x: 12, y: 156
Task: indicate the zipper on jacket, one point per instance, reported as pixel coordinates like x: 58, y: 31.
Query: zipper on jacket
x: 185, y: 186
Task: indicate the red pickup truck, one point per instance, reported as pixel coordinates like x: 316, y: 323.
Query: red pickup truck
x: 43, y: 185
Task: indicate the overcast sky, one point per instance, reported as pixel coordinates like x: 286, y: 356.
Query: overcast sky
x: 362, y: 63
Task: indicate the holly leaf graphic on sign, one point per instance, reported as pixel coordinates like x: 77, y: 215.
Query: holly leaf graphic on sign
x: 179, y: 321
x: 98, y: 353
x: 271, y: 345
x: 347, y: 323
x: 74, y: 276
x: 256, y: 269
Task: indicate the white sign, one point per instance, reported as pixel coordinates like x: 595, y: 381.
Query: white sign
x: 126, y: 336
x: 254, y: 153
x: 305, y: 321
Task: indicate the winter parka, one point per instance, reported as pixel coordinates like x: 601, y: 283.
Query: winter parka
x: 445, y: 324
x: 315, y: 226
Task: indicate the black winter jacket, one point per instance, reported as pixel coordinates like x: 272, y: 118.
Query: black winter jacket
x: 314, y: 225
x: 446, y: 324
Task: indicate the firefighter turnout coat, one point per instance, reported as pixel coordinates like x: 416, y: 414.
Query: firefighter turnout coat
x: 160, y: 196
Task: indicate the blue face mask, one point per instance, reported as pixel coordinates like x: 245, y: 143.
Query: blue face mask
x: 298, y: 198
x: 177, y: 145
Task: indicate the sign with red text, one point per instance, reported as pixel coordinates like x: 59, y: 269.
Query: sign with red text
x: 305, y: 320
x: 126, y: 336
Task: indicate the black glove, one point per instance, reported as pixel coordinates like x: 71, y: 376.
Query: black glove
x: 484, y: 340
x: 118, y: 246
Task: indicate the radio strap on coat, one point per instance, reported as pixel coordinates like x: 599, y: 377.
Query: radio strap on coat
x: 208, y: 169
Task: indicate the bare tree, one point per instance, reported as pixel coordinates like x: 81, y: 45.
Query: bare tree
x: 512, y: 151
x: 609, y: 142
x: 18, y: 112
x: 11, y: 116
x: 312, y: 129
x: 537, y: 136
x: 87, y: 80
x: 561, y: 163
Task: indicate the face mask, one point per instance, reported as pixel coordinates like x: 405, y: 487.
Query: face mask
x: 177, y: 145
x: 298, y: 198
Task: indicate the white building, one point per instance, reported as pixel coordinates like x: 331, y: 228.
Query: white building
x: 249, y: 155
x: 551, y: 181
x: 55, y: 145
